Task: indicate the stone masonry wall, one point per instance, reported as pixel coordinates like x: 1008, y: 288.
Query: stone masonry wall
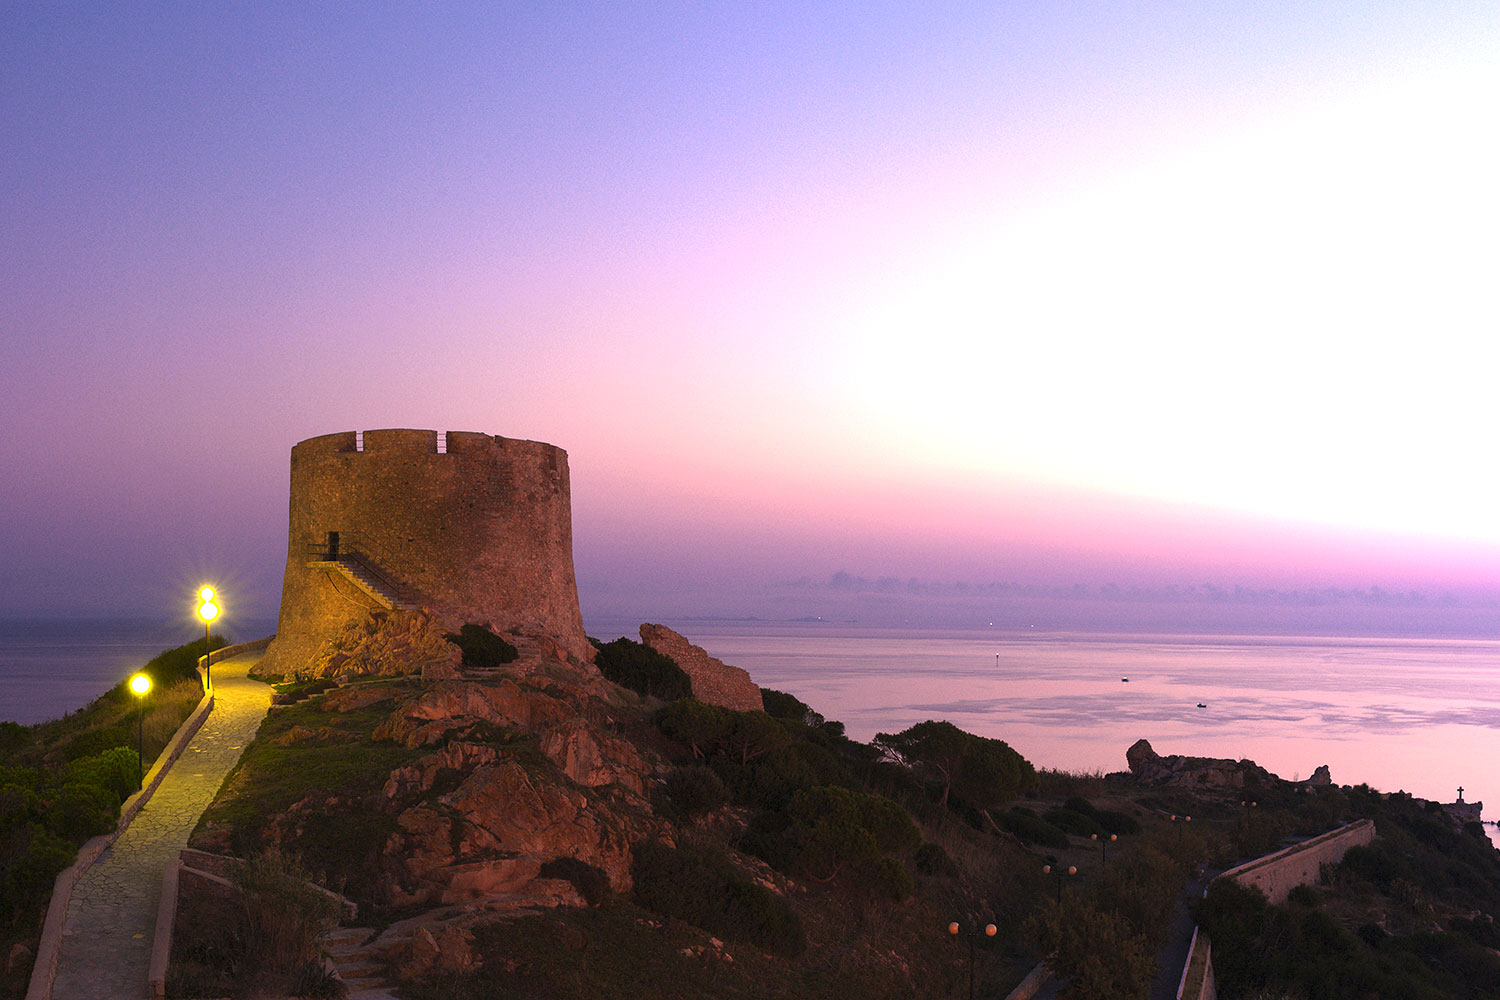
x: 480, y: 534
x: 1279, y: 873
x: 713, y: 680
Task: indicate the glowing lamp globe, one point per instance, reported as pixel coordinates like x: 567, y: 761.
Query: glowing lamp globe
x: 206, y: 595
x: 140, y: 684
x: 953, y: 927
x: 209, y: 611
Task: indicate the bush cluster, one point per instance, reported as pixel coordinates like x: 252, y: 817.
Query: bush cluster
x: 481, y: 647
x: 46, y: 815
x: 640, y: 668
x: 699, y: 884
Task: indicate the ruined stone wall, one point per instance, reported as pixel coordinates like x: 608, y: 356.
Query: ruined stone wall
x: 713, y: 680
x: 1279, y: 873
x: 482, y: 533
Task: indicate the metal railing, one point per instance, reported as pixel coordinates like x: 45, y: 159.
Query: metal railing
x: 353, y: 549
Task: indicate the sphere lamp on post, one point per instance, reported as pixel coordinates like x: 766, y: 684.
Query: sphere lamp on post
x: 1059, y: 874
x: 208, y: 610
x: 955, y: 930
x: 140, y: 684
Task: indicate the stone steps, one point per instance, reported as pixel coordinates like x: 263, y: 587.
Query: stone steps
x: 351, y: 952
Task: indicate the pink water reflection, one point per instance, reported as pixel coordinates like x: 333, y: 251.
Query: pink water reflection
x: 1415, y: 714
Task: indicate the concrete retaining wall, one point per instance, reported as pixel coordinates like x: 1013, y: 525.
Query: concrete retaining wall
x: 1276, y: 875
x: 1279, y: 873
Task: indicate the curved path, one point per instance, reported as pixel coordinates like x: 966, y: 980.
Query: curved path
x: 106, y: 948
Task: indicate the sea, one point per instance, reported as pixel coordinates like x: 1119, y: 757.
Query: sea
x: 1420, y: 715
x: 1416, y: 714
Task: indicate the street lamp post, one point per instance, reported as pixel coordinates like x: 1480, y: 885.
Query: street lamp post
x: 1103, y: 846
x: 208, y: 611
x: 140, y: 684
x: 989, y: 931
x: 1059, y: 874
x: 1179, y: 820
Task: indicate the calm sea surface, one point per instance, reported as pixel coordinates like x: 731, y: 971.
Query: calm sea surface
x: 1416, y: 714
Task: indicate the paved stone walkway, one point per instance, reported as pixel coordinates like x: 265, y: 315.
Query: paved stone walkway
x: 106, y: 949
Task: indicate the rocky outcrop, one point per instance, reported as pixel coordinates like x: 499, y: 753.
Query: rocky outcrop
x: 384, y: 644
x: 1321, y: 777
x: 713, y: 681
x: 492, y: 834
x: 1151, y: 768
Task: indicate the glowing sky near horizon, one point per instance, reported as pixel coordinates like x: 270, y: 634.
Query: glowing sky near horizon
x: 971, y: 292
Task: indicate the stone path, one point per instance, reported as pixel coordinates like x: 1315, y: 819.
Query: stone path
x: 106, y: 947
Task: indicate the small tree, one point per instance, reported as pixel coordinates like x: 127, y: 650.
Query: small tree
x: 982, y: 771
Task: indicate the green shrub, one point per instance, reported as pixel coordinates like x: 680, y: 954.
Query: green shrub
x: 695, y: 790
x: 699, y: 884
x: 30, y: 876
x: 640, y: 668
x: 82, y: 811
x: 18, y: 807
x: 1072, y: 822
x: 96, y: 741
x: 13, y: 738
x: 780, y: 705
x: 932, y: 859
x: 1117, y: 822
x: 481, y: 647
x: 1303, y: 895
x: 117, y: 770
x: 1031, y: 828
x: 892, y: 878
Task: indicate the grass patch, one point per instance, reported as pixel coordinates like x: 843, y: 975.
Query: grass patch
x: 270, y: 778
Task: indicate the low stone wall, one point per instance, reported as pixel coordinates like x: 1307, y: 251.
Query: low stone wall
x: 1032, y: 984
x: 1279, y: 873
x: 1197, y: 982
x: 225, y: 652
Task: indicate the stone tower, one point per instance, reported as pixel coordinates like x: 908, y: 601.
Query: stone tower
x: 476, y: 527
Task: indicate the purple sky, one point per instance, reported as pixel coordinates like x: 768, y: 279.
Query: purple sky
x: 1192, y: 296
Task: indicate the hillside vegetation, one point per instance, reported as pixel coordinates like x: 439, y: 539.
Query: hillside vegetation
x: 62, y: 782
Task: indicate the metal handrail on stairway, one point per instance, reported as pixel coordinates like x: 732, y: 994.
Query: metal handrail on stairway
x: 352, y: 549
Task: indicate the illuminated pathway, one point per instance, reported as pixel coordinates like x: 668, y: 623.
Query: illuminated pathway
x: 106, y: 947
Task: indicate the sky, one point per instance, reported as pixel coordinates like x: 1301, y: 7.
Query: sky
x: 874, y: 311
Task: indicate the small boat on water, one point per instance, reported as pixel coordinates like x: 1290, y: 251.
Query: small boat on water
x: 1124, y: 680
x: 1201, y: 705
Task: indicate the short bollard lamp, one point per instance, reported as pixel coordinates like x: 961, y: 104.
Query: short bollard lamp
x: 208, y: 611
x: 140, y: 684
x: 955, y: 930
x: 1104, y: 843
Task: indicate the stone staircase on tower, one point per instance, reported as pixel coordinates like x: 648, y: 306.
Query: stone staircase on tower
x: 348, y: 554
